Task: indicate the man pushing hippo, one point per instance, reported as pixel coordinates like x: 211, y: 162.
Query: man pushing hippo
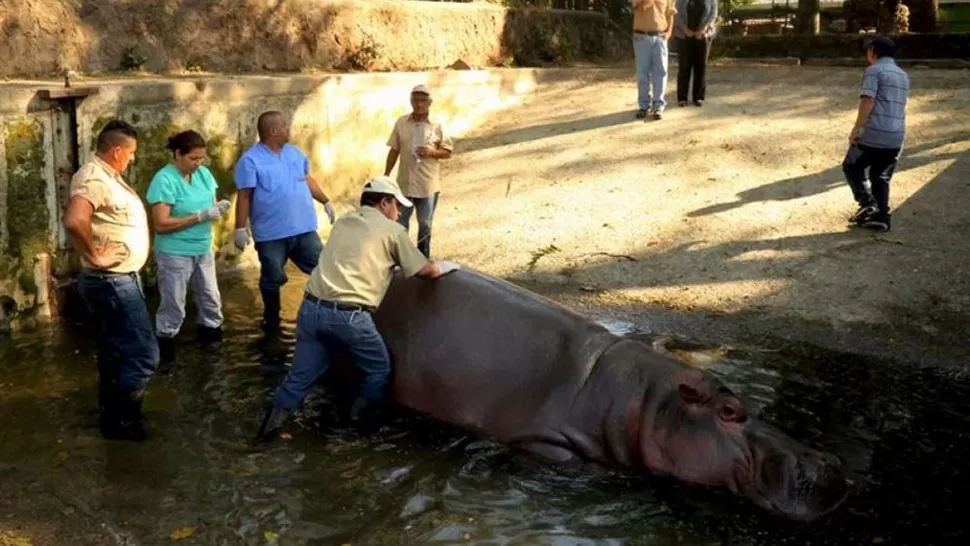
x: 344, y: 290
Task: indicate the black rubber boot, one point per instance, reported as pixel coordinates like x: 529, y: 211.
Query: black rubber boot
x: 271, y: 311
x: 166, y: 349
x: 273, y: 421
x: 209, y: 335
x: 122, y: 421
x: 366, y: 415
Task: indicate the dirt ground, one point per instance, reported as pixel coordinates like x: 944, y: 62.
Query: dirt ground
x: 737, y: 209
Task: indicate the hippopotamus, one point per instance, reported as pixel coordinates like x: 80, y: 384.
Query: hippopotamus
x: 485, y: 355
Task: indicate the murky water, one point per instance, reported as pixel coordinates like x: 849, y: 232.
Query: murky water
x: 903, y: 432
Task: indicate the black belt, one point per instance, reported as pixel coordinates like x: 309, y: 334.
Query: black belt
x: 102, y: 274
x: 648, y: 33
x: 338, y: 306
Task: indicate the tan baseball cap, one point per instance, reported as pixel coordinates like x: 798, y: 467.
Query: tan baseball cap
x: 421, y: 89
x: 385, y: 185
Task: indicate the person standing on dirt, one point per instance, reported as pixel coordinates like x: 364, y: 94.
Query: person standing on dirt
x: 420, y: 141
x: 108, y: 226
x: 653, y: 23
x: 877, y: 137
x: 276, y: 193
x: 693, y: 33
x: 344, y: 291
x: 182, y: 195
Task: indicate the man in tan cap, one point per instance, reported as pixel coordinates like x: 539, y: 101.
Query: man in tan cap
x: 420, y: 141
x: 344, y: 290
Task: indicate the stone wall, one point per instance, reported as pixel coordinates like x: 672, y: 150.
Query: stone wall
x: 341, y: 121
x: 45, y: 37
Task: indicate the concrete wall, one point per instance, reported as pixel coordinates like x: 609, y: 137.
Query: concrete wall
x: 44, y: 37
x: 341, y: 121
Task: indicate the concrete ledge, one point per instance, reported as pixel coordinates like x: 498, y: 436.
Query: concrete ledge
x: 944, y: 64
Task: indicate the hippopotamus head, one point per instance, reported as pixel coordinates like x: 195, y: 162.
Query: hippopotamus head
x: 701, y: 432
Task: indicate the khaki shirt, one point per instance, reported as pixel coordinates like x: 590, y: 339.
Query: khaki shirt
x: 357, y: 262
x: 652, y: 15
x: 418, y: 178
x: 119, y: 214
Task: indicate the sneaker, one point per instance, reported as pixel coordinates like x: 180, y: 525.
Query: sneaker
x: 641, y: 113
x: 698, y: 103
x: 657, y: 114
x: 682, y: 103
x: 879, y: 222
x: 864, y: 213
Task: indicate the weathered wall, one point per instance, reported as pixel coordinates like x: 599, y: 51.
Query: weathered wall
x: 43, y: 37
x: 341, y: 121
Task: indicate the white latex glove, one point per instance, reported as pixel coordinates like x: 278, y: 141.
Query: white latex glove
x: 447, y: 267
x: 331, y: 212
x: 241, y: 238
x: 223, y: 206
x: 211, y: 213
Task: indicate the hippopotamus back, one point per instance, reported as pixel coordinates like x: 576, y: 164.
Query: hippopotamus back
x: 484, y: 354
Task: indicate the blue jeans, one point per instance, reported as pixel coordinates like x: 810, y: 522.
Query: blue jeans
x: 321, y: 332
x: 127, y: 349
x: 880, y: 164
x: 426, y: 207
x: 303, y: 250
x: 651, y: 59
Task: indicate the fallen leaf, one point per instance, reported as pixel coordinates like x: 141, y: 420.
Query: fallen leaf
x: 182, y: 533
x: 286, y: 436
x: 60, y: 458
x: 9, y: 538
x: 270, y: 536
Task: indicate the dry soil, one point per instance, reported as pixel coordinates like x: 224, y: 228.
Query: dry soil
x: 736, y: 209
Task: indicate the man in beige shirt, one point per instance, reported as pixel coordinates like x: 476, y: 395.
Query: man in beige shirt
x: 108, y: 226
x: 344, y: 290
x: 653, y: 23
x: 420, y: 141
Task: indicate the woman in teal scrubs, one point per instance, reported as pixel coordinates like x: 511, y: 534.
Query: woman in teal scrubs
x: 182, y: 196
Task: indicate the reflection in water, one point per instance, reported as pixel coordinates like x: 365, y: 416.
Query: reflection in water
x: 902, y: 432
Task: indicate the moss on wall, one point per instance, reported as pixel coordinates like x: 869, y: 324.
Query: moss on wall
x: 26, y: 197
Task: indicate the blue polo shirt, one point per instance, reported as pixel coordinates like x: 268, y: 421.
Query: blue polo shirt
x: 186, y: 198
x: 282, y: 205
x: 888, y: 85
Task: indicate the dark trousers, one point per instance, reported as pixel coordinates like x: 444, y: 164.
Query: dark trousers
x: 425, y: 207
x: 303, y: 250
x: 127, y: 349
x: 864, y: 164
x: 692, y: 61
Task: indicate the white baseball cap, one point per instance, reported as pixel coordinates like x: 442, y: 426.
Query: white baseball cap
x: 421, y: 89
x: 385, y: 185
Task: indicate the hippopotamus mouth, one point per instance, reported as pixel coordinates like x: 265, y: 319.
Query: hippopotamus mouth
x: 800, y: 483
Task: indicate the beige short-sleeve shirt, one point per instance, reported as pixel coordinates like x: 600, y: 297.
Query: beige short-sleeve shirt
x: 418, y: 177
x: 357, y: 263
x: 119, y: 214
x: 652, y: 15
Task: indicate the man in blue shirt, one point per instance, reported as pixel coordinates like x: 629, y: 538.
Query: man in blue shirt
x: 276, y: 193
x: 877, y: 136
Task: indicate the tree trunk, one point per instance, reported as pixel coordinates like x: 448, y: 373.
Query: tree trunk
x: 809, y: 17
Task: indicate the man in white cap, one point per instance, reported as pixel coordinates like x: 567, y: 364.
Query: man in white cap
x: 344, y: 290
x: 420, y: 141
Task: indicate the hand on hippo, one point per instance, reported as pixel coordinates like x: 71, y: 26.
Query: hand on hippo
x: 447, y: 266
